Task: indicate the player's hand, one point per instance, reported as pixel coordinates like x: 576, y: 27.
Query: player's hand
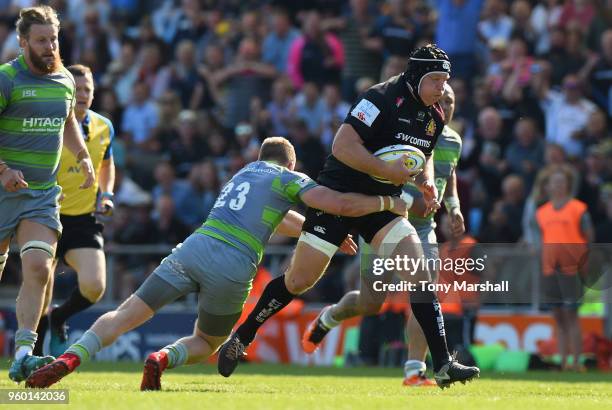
x: 88, y: 170
x: 105, y: 207
x: 400, y: 207
x: 348, y: 246
x: 13, y: 180
x: 457, y: 222
x: 397, y: 172
x: 430, y: 195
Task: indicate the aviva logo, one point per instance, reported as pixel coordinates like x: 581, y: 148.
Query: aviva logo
x: 74, y: 170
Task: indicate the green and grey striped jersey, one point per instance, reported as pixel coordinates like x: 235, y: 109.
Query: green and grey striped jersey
x: 446, y: 156
x: 252, y: 204
x: 33, y: 111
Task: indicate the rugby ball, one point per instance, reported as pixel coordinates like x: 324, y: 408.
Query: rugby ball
x: 415, y: 161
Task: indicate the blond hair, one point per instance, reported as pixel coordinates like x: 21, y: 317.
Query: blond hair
x: 277, y: 149
x: 35, y: 15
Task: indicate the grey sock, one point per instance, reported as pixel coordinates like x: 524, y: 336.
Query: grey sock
x: 88, y: 345
x: 25, y: 337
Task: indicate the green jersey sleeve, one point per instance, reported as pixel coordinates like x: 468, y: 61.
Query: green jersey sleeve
x: 295, y: 184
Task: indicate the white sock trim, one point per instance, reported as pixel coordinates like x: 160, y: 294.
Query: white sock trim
x: 23, y: 351
x: 327, y: 319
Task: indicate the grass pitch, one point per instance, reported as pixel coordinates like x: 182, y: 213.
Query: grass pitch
x: 116, y: 386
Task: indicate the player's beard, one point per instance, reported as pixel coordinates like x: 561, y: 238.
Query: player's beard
x: 38, y: 61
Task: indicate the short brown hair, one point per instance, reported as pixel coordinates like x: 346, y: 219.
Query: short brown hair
x: 35, y: 15
x: 277, y: 149
x: 79, y: 70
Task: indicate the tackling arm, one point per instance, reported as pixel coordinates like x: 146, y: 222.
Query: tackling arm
x: 351, y: 204
x: 291, y: 225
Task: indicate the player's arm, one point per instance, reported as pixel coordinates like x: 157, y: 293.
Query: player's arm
x: 425, y: 183
x: 11, y: 180
x: 351, y: 204
x: 348, y: 148
x: 291, y: 225
x: 453, y: 206
x: 74, y: 142
x: 106, y: 177
x: 106, y: 180
x: 367, y: 120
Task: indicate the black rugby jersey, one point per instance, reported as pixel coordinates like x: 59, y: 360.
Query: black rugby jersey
x: 386, y: 114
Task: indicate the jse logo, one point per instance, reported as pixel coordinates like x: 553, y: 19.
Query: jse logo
x: 29, y: 93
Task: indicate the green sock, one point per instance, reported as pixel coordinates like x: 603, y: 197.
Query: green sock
x: 177, y: 354
x: 88, y: 345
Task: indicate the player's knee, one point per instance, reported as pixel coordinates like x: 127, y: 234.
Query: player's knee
x: 36, y: 269
x: 92, y: 290
x: 36, y: 257
x: 297, y: 284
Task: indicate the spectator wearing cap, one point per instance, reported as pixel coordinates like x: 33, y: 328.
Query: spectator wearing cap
x: 189, y: 147
x: 567, y: 113
x: 247, y: 141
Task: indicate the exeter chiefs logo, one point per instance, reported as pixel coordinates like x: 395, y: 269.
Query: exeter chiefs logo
x: 431, y: 128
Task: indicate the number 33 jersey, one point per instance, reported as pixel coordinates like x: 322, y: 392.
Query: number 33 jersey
x: 252, y: 204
